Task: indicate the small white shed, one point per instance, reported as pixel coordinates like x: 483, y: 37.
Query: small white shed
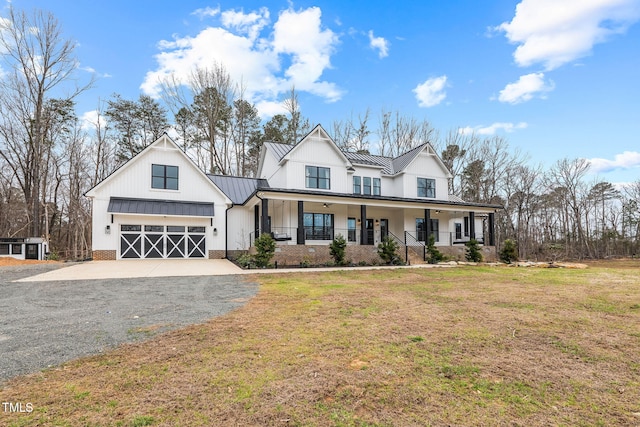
x: 24, y: 248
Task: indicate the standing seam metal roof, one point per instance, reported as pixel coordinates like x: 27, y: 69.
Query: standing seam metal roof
x: 236, y: 188
x: 159, y: 207
x: 389, y: 165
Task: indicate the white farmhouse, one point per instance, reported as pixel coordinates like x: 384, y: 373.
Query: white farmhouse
x: 161, y: 205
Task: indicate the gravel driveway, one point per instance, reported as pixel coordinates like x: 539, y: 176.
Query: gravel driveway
x: 43, y: 324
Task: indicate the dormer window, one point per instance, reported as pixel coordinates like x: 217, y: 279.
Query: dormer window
x: 366, y: 186
x: 164, y: 177
x: 356, y: 185
x: 318, y: 177
x: 427, y: 187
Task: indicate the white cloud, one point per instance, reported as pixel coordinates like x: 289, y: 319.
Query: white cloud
x: 299, y: 34
x: 553, y: 33
x: 250, y: 23
x: 380, y: 44
x: 626, y: 160
x: 206, y: 12
x: 90, y: 119
x: 431, y: 92
x: 525, y: 89
x: 492, y: 129
x: 295, y: 50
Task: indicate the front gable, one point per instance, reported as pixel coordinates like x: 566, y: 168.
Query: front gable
x: 316, y: 150
x: 135, y: 179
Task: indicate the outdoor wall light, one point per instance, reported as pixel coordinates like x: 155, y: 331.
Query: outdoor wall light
x: 215, y: 231
x: 107, y: 229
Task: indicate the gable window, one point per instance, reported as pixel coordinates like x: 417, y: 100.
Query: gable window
x: 318, y: 226
x: 164, y: 177
x: 356, y: 185
x: 426, y: 187
x: 318, y: 177
x: 366, y: 185
x: 376, y: 186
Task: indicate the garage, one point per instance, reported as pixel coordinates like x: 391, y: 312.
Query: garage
x: 160, y: 241
x: 142, y: 234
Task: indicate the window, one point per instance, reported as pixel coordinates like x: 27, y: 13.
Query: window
x: 376, y: 186
x: 351, y: 232
x: 317, y: 177
x: 421, y: 231
x: 4, y: 249
x: 16, y: 249
x: 426, y: 187
x: 164, y: 177
x: 125, y: 227
x: 466, y: 226
x: 356, y: 185
x: 435, y: 229
x: 154, y: 228
x: 318, y: 226
x: 366, y: 185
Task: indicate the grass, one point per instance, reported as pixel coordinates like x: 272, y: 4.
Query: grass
x: 464, y: 346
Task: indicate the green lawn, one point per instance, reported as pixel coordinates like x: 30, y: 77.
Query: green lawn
x: 455, y: 346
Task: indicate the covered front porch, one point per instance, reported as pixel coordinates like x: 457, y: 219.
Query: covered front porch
x: 299, y: 224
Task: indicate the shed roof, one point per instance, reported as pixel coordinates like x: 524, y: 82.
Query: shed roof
x: 159, y: 207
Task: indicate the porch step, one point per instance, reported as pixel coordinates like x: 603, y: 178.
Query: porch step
x: 415, y: 257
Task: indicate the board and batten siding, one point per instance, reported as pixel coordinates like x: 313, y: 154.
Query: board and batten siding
x: 317, y: 152
x: 425, y: 166
x: 133, y: 180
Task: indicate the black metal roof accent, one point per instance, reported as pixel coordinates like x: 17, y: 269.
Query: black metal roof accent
x: 238, y: 189
x: 456, y: 202
x: 159, y: 207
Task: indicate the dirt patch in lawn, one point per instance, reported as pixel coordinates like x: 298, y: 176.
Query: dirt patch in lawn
x: 462, y: 346
x: 8, y: 261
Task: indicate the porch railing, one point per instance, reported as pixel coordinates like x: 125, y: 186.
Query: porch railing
x: 413, y: 240
x: 417, y: 247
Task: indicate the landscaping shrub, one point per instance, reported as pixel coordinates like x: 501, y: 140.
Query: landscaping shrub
x: 387, y: 250
x: 509, y: 252
x: 245, y: 260
x: 337, y: 249
x: 434, y: 256
x: 265, y: 248
x: 473, y: 253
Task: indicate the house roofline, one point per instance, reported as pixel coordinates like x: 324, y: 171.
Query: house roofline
x: 376, y: 198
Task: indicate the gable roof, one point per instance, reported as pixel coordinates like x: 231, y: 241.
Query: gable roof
x: 164, y: 139
x: 389, y: 165
x: 238, y: 189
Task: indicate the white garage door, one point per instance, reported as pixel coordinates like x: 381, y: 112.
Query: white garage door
x: 162, y: 241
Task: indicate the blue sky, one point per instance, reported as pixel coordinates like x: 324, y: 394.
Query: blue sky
x: 556, y: 78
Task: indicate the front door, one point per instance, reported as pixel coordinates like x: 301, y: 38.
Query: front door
x: 421, y: 231
x: 31, y: 251
x: 369, y: 227
x: 384, y: 228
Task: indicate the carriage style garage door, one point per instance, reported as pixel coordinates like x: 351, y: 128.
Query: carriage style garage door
x: 162, y: 241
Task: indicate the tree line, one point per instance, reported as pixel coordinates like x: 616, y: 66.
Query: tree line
x: 49, y: 156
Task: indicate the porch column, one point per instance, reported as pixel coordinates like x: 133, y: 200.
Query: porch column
x: 256, y: 221
x: 427, y: 225
x: 363, y: 225
x: 300, y: 222
x: 266, y: 227
x: 472, y: 225
x: 492, y: 226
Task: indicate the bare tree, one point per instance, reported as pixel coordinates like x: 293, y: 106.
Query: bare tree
x: 37, y: 61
